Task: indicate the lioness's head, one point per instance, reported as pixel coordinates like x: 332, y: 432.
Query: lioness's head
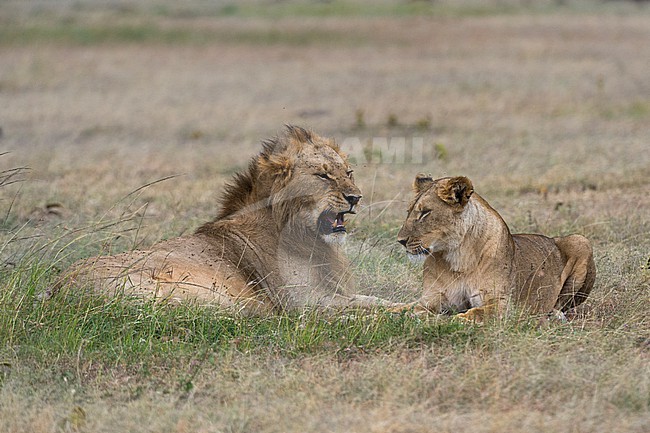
x: 306, y: 180
x: 436, y: 220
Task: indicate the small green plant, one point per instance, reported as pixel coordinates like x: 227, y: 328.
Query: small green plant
x: 440, y: 151
x: 424, y: 124
x: 229, y: 10
x: 359, y: 119
x: 392, y: 121
x: 638, y: 109
x: 196, y: 134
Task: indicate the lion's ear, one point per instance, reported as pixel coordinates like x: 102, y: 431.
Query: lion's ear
x: 455, y: 190
x: 422, y: 181
x: 277, y: 166
x: 300, y: 134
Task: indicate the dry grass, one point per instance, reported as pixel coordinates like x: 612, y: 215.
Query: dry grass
x: 548, y: 114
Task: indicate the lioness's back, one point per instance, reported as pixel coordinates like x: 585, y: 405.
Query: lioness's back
x: 537, y: 266
x: 553, y: 273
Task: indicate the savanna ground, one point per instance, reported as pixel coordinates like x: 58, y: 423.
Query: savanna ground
x: 122, y: 123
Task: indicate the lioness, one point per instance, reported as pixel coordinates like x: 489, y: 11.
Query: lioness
x: 275, y: 244
x: 474, y: 266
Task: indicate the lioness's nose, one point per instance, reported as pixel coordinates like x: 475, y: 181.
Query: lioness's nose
x: 353, y: 199
x: 403, y: 241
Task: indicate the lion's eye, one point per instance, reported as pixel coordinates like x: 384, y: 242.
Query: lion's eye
x: 324, y: 176
x: 423, y: 214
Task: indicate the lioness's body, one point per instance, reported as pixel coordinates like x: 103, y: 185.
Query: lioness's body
x: 473, y: 263
x: 274, y: 246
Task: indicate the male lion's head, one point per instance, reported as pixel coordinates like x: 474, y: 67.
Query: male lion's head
x: 437, y: 219
x: 305, y: 179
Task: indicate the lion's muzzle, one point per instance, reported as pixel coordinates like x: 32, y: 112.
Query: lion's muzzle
x: 413, y: 249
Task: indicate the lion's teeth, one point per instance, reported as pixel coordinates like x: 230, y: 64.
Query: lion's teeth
x: 339, y: 224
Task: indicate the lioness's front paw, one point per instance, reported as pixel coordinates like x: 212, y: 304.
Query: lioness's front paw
x: 558, y: 315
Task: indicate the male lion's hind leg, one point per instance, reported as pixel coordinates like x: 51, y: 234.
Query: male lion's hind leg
x: 579, y: 271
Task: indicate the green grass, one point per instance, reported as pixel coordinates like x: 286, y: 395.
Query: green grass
x: 348, y: 9
x: 73, y: 348
x: 123, y: 33
x: 166, y: 24
x: 76, y: 352
x: 300, y: 9
x: 351, y: 8
x: 122, y: 330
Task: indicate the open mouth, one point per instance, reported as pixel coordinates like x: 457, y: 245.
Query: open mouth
x: 339, y: 223
x: 332, y: 222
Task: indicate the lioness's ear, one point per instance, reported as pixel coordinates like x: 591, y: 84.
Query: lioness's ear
x: 455, y: 190
x: 422, y: 181
x: 277, y: 166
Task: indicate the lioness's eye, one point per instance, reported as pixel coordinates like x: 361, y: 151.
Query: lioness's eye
x: 424, y: 214
x: 323, y: 176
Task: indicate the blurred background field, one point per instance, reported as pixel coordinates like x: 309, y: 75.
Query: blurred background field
x: 122, y: 120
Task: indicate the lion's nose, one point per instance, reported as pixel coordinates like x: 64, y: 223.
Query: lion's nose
x: 353, y: 199
x: 403, y: 241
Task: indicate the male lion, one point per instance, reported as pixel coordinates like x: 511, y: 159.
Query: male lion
x: 474, y: 266
x: 275, y: 244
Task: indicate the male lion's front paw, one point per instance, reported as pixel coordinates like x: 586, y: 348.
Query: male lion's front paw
x: 475, y: 315
x: 413, y: 307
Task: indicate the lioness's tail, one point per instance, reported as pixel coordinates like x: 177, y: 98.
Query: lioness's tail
x: 579, y: 273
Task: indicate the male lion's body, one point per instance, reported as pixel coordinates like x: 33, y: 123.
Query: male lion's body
x: 190, y: 267
x: 473, y: 264
x: 274, y: 245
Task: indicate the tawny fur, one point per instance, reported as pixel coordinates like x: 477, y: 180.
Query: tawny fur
x: 266, y: 251
x: 473, y: 264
